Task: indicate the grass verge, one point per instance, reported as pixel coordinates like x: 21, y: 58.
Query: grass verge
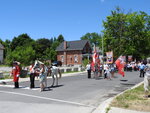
x: 132, y: 99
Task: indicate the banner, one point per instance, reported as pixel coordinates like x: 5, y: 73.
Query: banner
x: 95, y: 60
x: 120, y: 62
x: 130, y: 58
x: 109, y: 57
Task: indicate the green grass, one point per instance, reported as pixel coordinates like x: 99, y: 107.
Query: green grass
x: 132, y: 99
x: 108, y: 109
x: 4, y: 66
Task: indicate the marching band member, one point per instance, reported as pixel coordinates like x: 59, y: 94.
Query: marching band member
x: 15, y: 74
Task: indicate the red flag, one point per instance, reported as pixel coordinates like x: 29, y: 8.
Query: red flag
x: 120, y: 65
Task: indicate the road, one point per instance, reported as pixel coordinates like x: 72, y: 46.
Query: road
x: 75, y: 94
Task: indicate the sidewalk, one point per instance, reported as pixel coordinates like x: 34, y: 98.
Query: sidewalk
x: 28, y: 79
x: 120, y: 110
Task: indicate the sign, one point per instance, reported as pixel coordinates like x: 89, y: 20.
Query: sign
x: 129, y: 58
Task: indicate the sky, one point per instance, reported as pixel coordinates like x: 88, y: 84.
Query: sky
x: 50, y: 18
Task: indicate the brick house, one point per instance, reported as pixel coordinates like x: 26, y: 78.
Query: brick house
x: 1, y: 53
x: 73, y: 52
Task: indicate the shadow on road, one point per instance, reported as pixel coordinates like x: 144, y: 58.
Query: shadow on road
x: 56, y: 86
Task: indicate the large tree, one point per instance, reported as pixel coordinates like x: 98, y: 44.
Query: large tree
x: 21, y: 40
x: 22, y: 54
x: 127, y: 34
x: 60, y: 38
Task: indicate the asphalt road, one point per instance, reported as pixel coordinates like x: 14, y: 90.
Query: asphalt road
x: 75, y: 94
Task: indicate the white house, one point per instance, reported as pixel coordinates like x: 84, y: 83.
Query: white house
x: 1, y: 53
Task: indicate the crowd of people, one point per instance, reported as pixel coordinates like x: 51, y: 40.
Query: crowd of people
x: 36, y: 69
x: 108, y: 71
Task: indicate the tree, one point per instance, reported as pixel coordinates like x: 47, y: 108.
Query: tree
x: 94, y: 38
x: 114, y: 31
x: 22, y: 54
x: 127, y: 34
x: 40, y: 47
x: 60, y: 38
x: 21, y: 40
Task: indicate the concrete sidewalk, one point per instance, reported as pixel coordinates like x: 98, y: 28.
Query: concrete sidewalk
x: 28, y: 79
x: 120, y: 110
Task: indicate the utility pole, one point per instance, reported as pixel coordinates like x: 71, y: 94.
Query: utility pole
x: 103, y: 49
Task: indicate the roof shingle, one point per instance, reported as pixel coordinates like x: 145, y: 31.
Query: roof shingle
x: 1, y: 46
x: 73, y: 45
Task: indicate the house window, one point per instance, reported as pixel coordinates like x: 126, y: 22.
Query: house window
x: 75, y: 58
x: 62, y: 58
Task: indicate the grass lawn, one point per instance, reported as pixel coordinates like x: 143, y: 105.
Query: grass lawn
x: 132, y: 99
x: 4, y: 66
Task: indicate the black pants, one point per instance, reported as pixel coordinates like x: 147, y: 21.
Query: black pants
x: 32, y: 77
x: 105, y: 74
x: 89, y: 73
x: 16, y: 84
x: 142, y: 73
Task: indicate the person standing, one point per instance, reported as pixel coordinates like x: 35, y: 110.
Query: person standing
x: 96, y: 70
x: 112, y: 69
x: 15, y: 73
x: 42, y: 77
x: 106, y: 67
x: 142, y: 66
x: 32, y: 75
x: 147, y: 79
x: 54, y: 72
x: 100, y: 70
x: 88, y: 68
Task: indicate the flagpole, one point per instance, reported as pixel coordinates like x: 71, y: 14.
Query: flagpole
x: 102, y: 50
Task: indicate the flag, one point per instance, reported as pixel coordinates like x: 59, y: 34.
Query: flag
x: 95, y: 59
x: 120, y: 62
x: 109, y: 56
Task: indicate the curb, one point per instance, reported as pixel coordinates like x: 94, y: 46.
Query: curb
x: 102, y: 108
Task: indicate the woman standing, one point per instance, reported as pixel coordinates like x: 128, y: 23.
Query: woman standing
x: 32, y: 75
x: 42, y: 77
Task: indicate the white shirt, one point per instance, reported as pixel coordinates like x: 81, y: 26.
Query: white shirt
x: 88, y: 67
x: 54, y: 70
x: 106, y: 67
x: 148, y: 70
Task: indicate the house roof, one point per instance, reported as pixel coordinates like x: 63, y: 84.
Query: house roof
x: 1, y: 46
x: 73, y: 45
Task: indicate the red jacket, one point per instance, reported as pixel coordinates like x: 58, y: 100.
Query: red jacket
x: 16, y: 73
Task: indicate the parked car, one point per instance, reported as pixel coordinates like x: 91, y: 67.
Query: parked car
x: 58, y: 63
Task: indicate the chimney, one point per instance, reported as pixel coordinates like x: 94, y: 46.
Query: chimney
x: 65, y: 44
x: 65, y: 54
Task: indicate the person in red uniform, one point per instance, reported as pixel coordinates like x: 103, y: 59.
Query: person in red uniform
x: 15, y: 74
